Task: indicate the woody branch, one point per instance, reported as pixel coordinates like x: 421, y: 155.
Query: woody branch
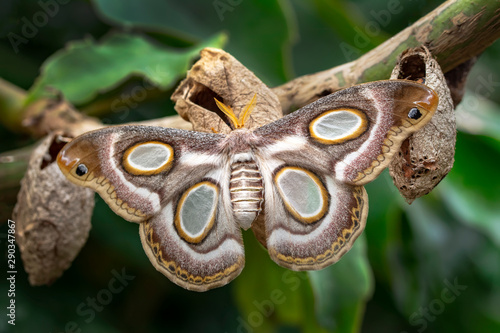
x: 454, y: 33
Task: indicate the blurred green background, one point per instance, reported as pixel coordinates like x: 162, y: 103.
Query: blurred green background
x: 433, y: 266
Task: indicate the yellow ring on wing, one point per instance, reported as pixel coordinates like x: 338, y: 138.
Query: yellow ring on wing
x: 156, y: 157
x: 208, y: 220
x: 330, y: 126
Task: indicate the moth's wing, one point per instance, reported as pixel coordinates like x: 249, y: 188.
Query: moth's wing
x: 194, y: 240
x: 315, y: 161
x: 311, y: 219
x: 354, y: 132
x: 174, y: 183
x: 137, y: 168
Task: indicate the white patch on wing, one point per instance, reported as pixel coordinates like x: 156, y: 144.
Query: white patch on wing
x: 215, y: 174
x: 278, y: 235
x: 143, y: 193
x: 196, y: 159
x: 267, y: 165
x: 149, y: 156
x: 292, y: 142
x: 165, y: 224
x: 294, y: 184
x: 198, y: 208
x: 336, y: 125
x: 351, y: 157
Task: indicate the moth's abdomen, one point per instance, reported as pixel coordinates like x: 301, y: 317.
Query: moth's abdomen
x: 246, y: 191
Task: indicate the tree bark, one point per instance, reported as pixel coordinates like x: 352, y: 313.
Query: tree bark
x: 455, y: 32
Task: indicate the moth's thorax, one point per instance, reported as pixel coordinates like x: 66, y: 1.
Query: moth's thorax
x: 239, y: 140
x: 246, y: 188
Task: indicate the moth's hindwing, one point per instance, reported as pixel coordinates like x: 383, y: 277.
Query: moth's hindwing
x: 194, y: 241
x: 315, y: 218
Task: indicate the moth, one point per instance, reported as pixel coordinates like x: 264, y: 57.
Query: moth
x: 191, y: 192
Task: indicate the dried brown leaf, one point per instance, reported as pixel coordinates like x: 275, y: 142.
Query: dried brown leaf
x: 219, y: 75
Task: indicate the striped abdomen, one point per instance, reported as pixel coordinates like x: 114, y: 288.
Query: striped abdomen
x: 246, y: 191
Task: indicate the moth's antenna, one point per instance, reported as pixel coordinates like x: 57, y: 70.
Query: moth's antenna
x: 228, y: 111
x: 246, y: 113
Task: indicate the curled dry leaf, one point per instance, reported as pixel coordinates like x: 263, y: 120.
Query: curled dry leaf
x: 427, y: 156
x: 219, y: 75
x: 52, y: 216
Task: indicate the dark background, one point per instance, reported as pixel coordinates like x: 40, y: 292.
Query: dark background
x: 401, y: 275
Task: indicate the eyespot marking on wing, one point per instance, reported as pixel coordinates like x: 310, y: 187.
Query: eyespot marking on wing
x: 303, y: 194
x: 336, y: 126
x: 196, y: 211
x: 148, y: 158
x: 414, y: 113
x: 81, y: 170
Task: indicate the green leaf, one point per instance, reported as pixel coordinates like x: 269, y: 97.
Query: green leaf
x: 169, y: 16
x: 271, y: 297
x: 383, y: 226
x: 436, y: 251
x: 478, y: 115
x: 342, y: 290
x: 326, y: 55
x: 260, y: 31
x: 349, y: 25
x: 471, y: 189
x: 86, y: 68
